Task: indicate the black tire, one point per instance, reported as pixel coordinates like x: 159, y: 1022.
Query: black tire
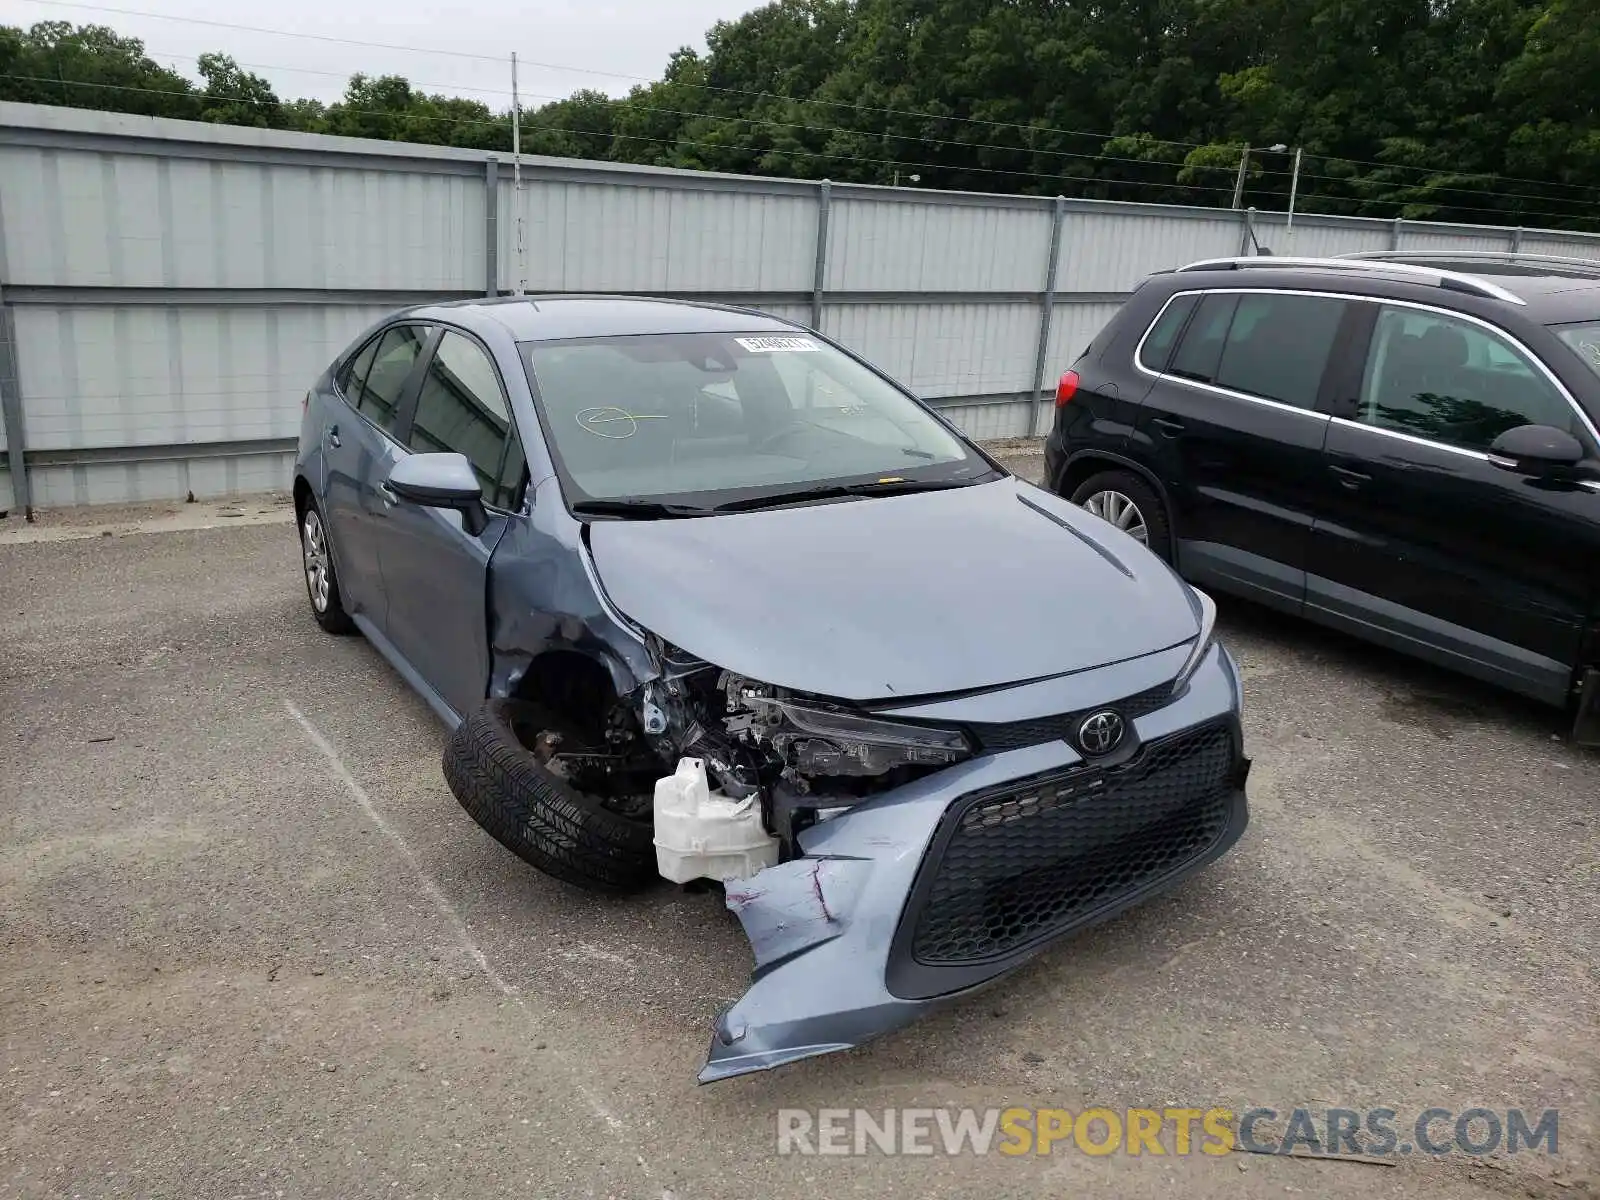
x: 330, y: 613
x: 538, y: 816
x: 1158, y: 525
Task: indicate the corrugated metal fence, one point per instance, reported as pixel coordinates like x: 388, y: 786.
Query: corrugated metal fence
x: 169, y: 289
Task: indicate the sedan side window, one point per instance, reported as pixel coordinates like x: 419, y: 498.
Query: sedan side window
x: 376, y: 392
x: 462, y: 407
x: 356, y: 369
x: 1453, y: 381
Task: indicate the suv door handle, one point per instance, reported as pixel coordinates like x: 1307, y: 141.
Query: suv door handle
x: 1167, y: 425
x: 1350, y: 479
x: 333, y: 437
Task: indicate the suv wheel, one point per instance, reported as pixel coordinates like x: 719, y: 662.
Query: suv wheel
x: 1129, y: 503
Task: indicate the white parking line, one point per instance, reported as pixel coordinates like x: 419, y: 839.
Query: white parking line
x: 449, y: 911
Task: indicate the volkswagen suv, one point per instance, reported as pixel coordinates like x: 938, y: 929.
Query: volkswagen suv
x: 1401, y: 446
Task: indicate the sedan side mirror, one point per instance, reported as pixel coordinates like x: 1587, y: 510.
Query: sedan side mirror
x: 1539, y: 450
x: 441, y: 481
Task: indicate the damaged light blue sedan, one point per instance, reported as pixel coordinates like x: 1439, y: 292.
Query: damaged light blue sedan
x: 703, y: 595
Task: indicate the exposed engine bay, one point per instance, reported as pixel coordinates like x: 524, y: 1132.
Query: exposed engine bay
x: 804, y: 759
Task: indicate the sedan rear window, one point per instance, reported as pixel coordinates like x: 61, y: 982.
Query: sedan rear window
x: 1585, y: 339
x: 666, y: 416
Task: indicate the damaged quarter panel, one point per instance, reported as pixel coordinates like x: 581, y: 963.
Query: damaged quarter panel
x: 828, y: 927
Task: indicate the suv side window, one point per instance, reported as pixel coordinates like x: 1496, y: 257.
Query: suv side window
x: 1201, y: 349
x: 1453, y: 381
x: 1263, y: 344
x: 1278, y: 346
x: 1157, y: 345
x: 374, y: 384
x: 462, y: 407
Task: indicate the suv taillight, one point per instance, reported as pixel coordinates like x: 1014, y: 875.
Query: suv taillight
x: 1066, y: 389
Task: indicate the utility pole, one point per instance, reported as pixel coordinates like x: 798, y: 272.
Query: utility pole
x: 1294, y: 186
x: 516, y: 177
x: 1238, y: 184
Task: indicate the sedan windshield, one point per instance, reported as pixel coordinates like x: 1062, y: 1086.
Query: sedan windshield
x: 676, y: 424
x: 1585, y: 339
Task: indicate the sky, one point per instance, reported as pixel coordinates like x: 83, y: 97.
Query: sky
x: 463, y: 47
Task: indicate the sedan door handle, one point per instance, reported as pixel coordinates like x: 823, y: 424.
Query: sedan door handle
x: 1350, y: 479
x: 390, y: 497
x: 333, y: 437
x: 1167, y: 425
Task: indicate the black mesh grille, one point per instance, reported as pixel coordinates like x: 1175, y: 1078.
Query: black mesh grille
x: 1014, y: 735
x: 1033, y: 861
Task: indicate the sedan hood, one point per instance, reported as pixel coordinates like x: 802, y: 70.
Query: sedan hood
x: 896, y: 596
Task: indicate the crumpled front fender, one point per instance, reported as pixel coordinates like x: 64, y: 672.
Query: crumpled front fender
x: 822, y: 925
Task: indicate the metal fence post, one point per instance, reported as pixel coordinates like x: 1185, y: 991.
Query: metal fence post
x: 1046, y: 309
x: 11, y: 412
x: 824, y: 201
x: 491, y: 226
x: 1516, y: 240
x: 1394, y: 234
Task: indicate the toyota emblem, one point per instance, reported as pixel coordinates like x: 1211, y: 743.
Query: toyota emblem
x: 1101, y: 732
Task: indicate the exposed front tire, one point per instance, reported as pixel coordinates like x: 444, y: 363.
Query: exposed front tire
x: 322, y: 580
x: 537, y: 815
x: 1132, y: 505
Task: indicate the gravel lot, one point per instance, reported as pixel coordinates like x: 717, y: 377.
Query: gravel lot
x: 251, y: 946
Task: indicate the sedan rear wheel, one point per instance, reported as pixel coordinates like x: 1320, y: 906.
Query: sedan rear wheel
x: 322, y: 581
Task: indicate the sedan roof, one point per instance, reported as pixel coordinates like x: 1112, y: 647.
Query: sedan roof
x: 549, y: 318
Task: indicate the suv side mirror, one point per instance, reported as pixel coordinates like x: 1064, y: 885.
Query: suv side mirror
x: 442, y: 480
x: 1538, y: 450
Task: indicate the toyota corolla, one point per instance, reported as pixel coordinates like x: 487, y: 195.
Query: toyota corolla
x: 702, y: 595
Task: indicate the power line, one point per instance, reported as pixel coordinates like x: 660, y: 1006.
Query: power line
x: 928, y: 116
x: 678, y: 112
x: 1479, y: 192
x: 459, y: 121
x: 881, y: 162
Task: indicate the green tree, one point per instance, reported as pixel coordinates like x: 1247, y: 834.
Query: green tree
x: 234, y: 96
x: 90, y: 66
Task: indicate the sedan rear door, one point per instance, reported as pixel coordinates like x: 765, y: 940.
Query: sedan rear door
x: 358, y: 450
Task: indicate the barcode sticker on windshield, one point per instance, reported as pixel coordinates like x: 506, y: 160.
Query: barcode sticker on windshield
x: 776, y: 345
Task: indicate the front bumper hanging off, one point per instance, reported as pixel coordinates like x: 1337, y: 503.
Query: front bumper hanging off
x: 942, y: 886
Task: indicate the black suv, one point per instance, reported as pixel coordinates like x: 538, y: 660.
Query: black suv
x: 1399, y: 445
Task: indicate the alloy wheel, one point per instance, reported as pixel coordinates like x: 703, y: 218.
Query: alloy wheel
x: 1120, y: 511
x: 314, y: 543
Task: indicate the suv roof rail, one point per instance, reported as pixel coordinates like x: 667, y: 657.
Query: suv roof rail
x: 1437, y: 277
x: 1494, y: 256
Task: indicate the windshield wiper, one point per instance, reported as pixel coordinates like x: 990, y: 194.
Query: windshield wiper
x: 834, y: 491
x: 638, y: 510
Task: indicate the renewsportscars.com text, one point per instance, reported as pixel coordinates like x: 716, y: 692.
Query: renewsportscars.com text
x: 1164, y: 1131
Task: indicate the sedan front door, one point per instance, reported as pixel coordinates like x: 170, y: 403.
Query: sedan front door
x: 435, y: 571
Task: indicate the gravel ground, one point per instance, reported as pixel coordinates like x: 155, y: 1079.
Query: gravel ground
x: 251, y: 946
